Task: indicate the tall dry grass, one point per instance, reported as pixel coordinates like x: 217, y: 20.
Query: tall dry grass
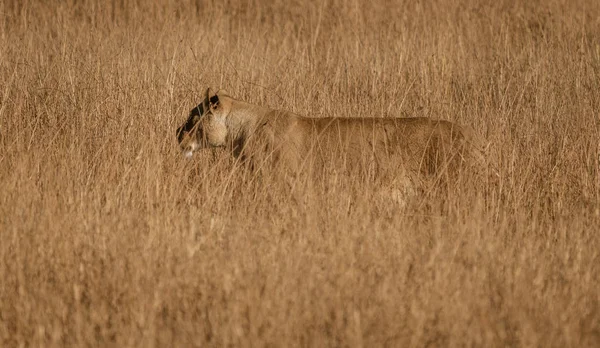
x: 109, y: 238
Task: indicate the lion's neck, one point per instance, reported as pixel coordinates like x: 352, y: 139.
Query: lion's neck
x: 244, y: 118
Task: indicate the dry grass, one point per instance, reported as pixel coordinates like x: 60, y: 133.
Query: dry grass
x: 109, y: 238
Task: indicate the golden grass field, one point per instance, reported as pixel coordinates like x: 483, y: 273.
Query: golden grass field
x: 109, y: 237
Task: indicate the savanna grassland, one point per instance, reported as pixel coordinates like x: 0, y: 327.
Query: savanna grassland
x: 109, y: 237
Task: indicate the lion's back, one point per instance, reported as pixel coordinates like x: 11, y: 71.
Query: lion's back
x: 378, y: 146
x: 416, y: 144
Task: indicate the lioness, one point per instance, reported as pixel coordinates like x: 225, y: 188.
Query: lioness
x: 381, y: 148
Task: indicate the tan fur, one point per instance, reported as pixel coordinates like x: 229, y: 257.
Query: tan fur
x: 385, y: 149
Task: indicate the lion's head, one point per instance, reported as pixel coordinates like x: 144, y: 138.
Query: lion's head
x: 206, y: 126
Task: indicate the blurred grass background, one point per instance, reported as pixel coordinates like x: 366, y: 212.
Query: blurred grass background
x: 109, y: 238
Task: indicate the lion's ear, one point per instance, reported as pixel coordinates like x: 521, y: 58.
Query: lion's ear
x: 213, y: 102
x: 209, y: 93
x: 212, y: 98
